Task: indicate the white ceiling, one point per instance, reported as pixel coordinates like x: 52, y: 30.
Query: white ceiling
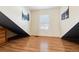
x: 40, y: 7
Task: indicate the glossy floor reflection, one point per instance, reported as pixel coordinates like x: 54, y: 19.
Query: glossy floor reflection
x: 39, y: 44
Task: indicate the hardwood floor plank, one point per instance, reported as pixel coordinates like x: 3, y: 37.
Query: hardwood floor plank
x: 39, y: 44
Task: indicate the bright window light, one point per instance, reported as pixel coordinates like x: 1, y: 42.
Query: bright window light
x: 44, y: 22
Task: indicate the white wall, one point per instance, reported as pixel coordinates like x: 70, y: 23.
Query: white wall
x: 64, y: 23
x: 54, y: 21
x: 67, y: 24
x: 58, y: 27
x: 15, y: 14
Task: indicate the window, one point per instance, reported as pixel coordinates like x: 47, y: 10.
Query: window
x: 44, y: 22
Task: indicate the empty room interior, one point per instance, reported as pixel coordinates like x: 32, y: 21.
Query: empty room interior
x: 39, y: 28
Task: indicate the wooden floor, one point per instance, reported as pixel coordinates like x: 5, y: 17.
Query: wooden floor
x: 39, y: 44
